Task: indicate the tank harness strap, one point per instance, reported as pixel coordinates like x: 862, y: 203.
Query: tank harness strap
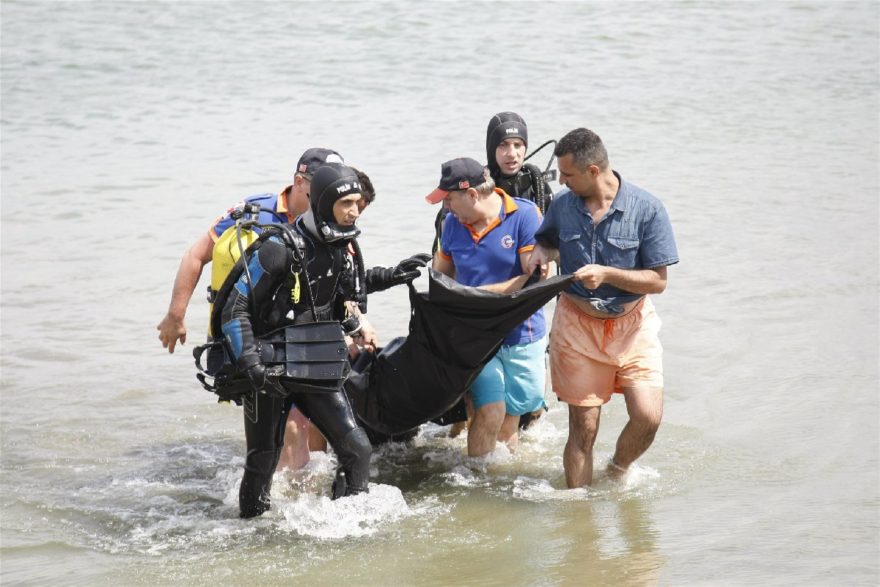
x: 298, y: 270
x: 360, y: 289
x: 536, y: 178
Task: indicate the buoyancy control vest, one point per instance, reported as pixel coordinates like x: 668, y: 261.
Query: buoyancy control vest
x: 227, y: 251
x: 321, y: 279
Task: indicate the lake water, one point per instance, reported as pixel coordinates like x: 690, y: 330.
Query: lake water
x: 128, y: 127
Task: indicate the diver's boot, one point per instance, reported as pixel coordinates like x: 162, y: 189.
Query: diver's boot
x: 256, y: 483
x: 337, y: 490
x: 353, y: 452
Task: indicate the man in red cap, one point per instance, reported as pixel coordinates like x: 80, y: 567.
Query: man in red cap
x: 486, y: 240
x: 285, y: 208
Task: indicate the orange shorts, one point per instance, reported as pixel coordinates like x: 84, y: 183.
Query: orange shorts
x: 591, y: 358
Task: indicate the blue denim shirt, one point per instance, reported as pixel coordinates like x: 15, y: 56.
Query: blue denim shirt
x: 635, y: 233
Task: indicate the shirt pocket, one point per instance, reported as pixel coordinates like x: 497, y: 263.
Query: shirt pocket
x: 621, y: 252
x: 572, y: 249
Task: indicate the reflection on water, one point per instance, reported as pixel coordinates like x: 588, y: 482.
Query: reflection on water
x: 609, y: 541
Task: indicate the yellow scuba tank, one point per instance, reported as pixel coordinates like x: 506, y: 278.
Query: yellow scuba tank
x: 223, y: 259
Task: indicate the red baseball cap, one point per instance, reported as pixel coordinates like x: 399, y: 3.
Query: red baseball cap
x: 457, y: 174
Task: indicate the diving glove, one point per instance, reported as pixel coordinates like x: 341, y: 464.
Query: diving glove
x: 257, y: 376
x: 263, y: 381
x: 413, y: 263
x: 382, y: 278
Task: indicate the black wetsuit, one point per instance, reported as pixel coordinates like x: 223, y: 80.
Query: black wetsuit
x: 528, y: 183
x: 277, y: 276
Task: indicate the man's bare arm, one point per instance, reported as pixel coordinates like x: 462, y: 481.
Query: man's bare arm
x: 367, y: 335
x: 540, y: 258
x: 637, y: 281
x: 172, y: 327
x: 444, y: 266
x: 509, y: 286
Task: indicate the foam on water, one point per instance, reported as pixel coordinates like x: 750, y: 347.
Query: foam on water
x: 638, y: 480
x: 533, y: 472
x: 355, y: 516
x: 158, y: 511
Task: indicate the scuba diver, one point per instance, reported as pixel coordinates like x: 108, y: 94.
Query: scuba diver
x: 283, y: 207
x: 284, y: 320
x: 507, y: 139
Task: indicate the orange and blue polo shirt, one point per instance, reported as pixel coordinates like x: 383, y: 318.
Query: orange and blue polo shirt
x: 274, y: 211
x: 493, y: 254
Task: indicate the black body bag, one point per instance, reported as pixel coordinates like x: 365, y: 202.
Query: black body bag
x: 454, y: 331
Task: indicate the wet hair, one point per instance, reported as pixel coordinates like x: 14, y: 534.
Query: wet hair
x: 586, y: 148
x: 367, y: 189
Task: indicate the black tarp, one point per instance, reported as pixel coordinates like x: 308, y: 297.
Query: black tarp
x: 454, y: 331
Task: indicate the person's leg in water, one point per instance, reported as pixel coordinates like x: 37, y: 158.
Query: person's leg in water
x: 485, y: 427
x: 509, y: 432
x: 641, y: 381
x: 487, y: 395
x: 457, y: 428
x: 524, y: 382
x: 577, y: 458
x: 332, y: 415
x: 295, y: 452
x: 264, y: 440
x: 317, y: 442
x: 645, y: 410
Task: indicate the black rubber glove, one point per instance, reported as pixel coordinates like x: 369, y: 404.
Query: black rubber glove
x: 381, y: 278
x: 263, y: 381
x: 413, y: 263
x: 257, y: 375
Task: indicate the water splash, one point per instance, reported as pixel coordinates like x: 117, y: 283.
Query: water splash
x: 317, y: 516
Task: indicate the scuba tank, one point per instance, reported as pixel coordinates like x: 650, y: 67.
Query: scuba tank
x: 228, y: 249
x: 540, y: 178
x: 309, y: 356
x: 529, y: 183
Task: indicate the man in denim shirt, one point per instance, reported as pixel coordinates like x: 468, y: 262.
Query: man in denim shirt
x: 617, y: 240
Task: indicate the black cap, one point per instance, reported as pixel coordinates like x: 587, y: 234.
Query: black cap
x: 504, y: 125
x: 457, y: 174
x: 331, y: 182
x: 313, y: 158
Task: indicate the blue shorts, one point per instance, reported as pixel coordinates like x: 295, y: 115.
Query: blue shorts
x: 515, y: 375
